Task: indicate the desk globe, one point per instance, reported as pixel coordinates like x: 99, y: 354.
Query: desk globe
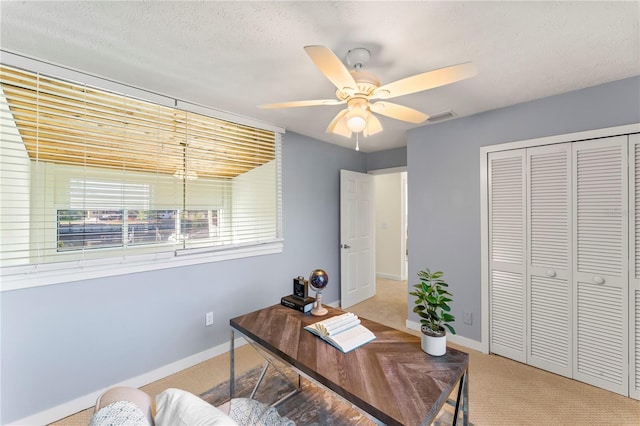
x: 318, y: 280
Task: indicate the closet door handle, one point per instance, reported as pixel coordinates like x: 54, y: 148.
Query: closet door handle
x: 551, y: 273
x: 598, y: 279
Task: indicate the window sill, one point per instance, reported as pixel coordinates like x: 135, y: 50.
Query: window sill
x: 16, y: 278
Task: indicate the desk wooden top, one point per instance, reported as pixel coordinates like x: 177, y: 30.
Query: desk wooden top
x: 391, y: 377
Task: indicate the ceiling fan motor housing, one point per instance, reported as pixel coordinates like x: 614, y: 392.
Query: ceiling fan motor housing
x: 366, y: 82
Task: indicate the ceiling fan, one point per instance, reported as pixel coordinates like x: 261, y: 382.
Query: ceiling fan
x: 362, y: 93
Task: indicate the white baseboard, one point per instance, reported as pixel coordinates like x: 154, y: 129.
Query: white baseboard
x: 453, y: 338
x: 86, y: 401
x: 389, y: 276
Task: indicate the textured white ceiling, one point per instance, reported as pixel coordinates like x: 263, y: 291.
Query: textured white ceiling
x: 233, y: 56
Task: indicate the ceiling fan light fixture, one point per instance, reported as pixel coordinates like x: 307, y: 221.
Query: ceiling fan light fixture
x: 357, y: 115
x: 357, y: 121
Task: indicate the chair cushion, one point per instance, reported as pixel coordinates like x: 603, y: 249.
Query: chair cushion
x: 119, y: 413
x: 175, y: 407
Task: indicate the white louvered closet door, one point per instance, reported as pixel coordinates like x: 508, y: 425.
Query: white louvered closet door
x: 550, y: 319
x: 507, y: 254
x: 600, y: 274
x: 634, y: 265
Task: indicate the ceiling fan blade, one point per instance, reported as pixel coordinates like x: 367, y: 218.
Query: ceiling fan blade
x: 398, y: 112
x: 332, y: 67
x: 295, y: 104
x: 373, y: 126
x: 339, y: 124
x: 425, y: 81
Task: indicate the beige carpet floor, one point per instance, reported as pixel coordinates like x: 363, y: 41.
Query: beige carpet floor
x: 501, y: 391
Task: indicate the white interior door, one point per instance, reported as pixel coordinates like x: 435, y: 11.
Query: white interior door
x: 550, y: 258
x: 507, y: 254
x: 600, y: 272
x: 357, y: 238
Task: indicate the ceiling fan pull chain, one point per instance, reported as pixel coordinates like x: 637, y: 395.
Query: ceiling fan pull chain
x: 357, y: 146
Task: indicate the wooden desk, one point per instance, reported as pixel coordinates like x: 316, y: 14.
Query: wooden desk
x: 390, y: 378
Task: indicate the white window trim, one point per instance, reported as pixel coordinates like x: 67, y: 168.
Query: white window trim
x: 28, y: 276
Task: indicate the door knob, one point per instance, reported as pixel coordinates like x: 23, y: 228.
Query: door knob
x: 598, y: 279
x: 551, y: 273
x: 346, y: 246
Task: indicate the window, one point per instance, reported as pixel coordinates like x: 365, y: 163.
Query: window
x: 85, y: 229
x: 90, y: 175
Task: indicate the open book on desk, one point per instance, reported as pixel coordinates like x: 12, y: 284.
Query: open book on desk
x: 343, y: 331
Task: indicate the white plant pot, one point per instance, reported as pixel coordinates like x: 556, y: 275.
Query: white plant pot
x: 434, y: 345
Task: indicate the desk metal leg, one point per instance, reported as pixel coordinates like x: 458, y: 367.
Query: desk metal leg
x: 232, y: 377
x: 465, y: 400
x: 257, y: 385
x: 269, y: 363
x: 463, y: 392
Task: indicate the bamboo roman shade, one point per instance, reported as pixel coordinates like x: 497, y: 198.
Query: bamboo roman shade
x: 67, y: 123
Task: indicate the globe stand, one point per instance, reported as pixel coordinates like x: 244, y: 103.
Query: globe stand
x: 318, y: 280
x: 318, y: 310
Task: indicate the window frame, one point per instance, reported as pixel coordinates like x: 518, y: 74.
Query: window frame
x: 34, y: 275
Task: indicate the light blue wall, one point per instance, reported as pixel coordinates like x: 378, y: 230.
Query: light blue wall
x: 387, y: 159
x: 60, y: 342
x: 443, y: 167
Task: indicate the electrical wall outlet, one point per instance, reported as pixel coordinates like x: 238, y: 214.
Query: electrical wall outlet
x: 208, y: 319
x: 468, y: 318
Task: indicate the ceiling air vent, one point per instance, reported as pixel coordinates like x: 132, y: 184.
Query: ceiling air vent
x: 441, y: 116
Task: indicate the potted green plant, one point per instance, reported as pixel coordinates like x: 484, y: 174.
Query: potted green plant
x: 432, y: 304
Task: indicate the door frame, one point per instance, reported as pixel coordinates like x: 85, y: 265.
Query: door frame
x: 403, y: 248
x: 404, y: 269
